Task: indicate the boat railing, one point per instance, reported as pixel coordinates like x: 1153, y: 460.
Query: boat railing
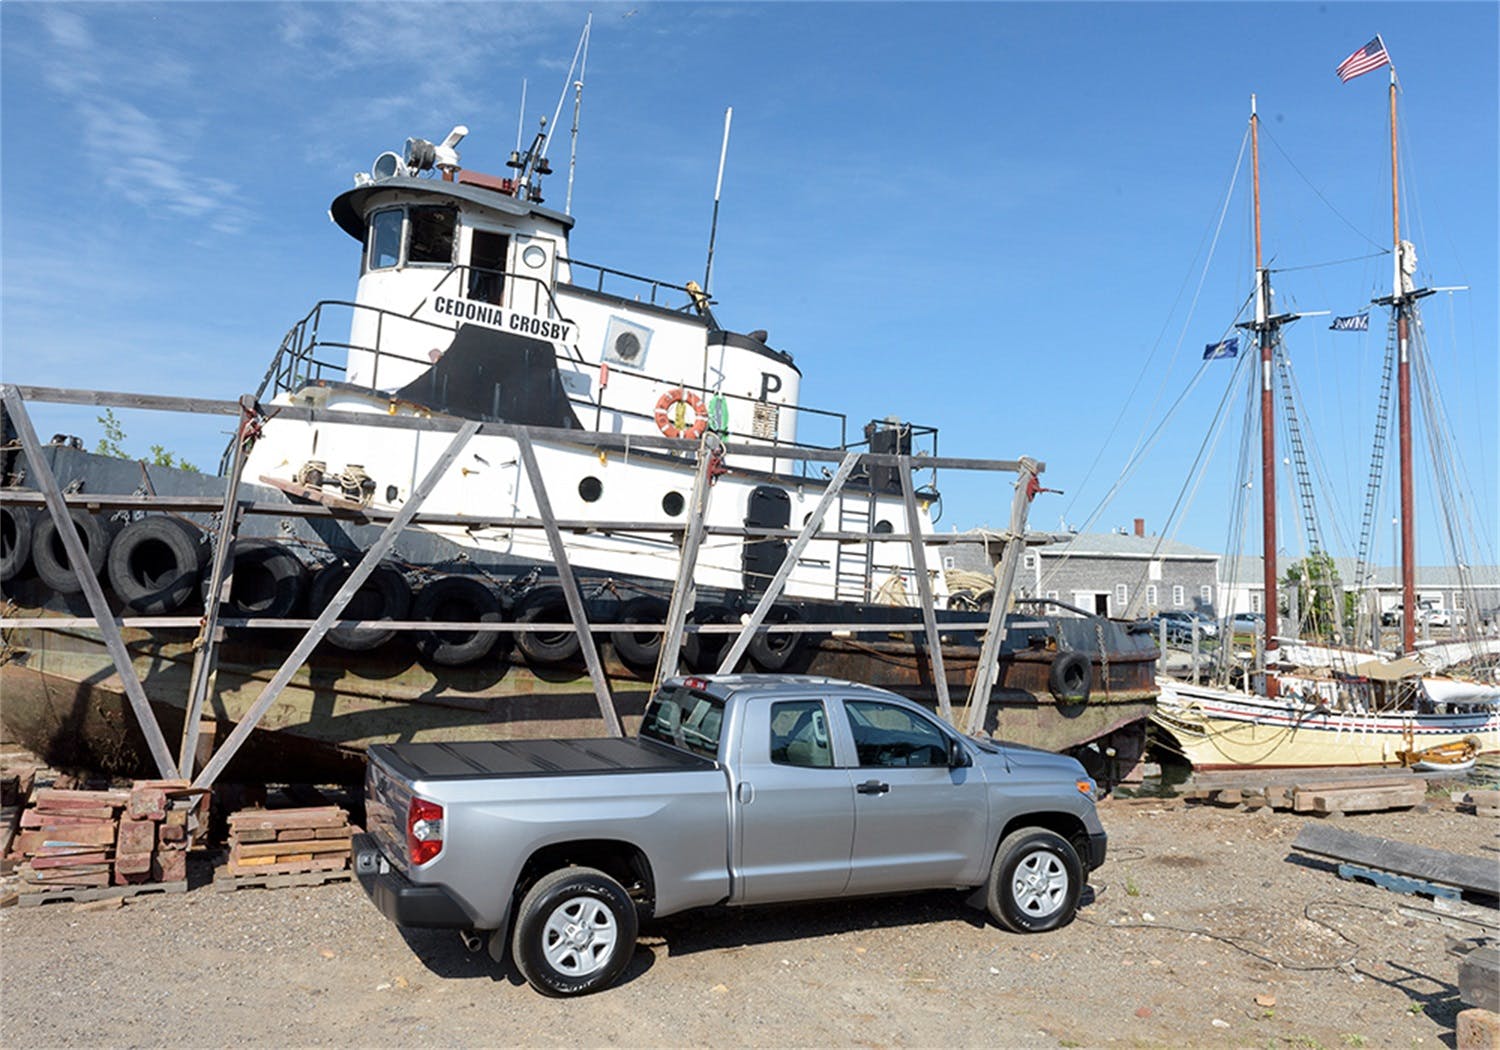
x: 650, y: 287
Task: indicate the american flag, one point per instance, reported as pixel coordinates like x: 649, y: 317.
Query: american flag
x: 1371, y: 56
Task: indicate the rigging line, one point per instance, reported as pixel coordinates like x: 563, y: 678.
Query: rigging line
x: 1318, y: 192
x: 1331, y: 262
x: 1320, y: 470
x: 1146, y: 365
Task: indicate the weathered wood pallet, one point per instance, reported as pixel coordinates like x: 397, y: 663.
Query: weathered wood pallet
x: 82, y: 895
x: 227, y: 883
x: 1439, y: 867
x: 1301, y: 790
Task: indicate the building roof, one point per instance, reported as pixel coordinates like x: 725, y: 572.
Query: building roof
x: 1117, y: 545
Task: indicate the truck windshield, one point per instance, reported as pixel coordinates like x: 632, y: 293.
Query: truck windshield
x: 686, y: 719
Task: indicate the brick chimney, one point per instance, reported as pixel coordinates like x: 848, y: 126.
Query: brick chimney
x: 1140, y: 526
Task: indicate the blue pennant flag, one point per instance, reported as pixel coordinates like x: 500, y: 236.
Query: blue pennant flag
x: 1228, y: 348
x: 1357, y: 323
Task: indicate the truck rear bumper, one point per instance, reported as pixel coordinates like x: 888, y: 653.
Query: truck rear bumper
x: 404, y: 902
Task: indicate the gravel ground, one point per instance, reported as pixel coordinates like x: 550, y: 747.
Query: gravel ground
x: 1201, y: 930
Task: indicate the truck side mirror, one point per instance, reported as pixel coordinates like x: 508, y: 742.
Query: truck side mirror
x: 958, y: 755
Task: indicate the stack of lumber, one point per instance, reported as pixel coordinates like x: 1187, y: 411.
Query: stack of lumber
x: 289, y: 841
x: 1324, y: 792
x: 76, y: 840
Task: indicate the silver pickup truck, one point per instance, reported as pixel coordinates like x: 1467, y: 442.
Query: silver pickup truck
x: 739, y: 789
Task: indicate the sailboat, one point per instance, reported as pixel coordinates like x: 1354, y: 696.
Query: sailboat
x: 1336, y: 705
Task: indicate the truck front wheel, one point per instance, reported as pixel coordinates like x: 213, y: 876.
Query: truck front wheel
x: 575, y: 932
x: 1035, y: 881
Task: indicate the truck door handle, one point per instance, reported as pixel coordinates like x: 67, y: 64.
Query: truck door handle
x: 872, y: 787
x: 746, y: 792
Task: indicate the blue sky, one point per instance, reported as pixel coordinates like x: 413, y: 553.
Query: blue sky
x: 992, y: 218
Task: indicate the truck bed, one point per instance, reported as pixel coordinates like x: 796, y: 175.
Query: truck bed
x: 477, y: 759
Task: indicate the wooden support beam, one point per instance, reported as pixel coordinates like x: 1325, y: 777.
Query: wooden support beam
x: 584, y: 439
x: 205, y: 659
x: 570, y: 588
x: 156, y: 742
x: 1433, y: 865
x: 683, y: 591
x: 336, y: 605
x: 778, y: 582
x: 924, y: 591
x: 988, y: 666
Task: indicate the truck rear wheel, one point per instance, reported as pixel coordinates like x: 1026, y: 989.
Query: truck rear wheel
x: 575, y: 932
x: 1035, y: 881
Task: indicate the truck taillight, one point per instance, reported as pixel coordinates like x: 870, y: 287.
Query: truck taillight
x: 424, y: 830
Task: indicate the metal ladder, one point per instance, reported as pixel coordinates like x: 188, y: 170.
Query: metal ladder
x: 1299, y: 456
x: 852, y: 566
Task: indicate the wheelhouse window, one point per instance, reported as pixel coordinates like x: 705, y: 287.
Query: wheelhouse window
x: 385, y: 239
x: 432, y: 230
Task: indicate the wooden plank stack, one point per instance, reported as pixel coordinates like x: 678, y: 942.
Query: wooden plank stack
x: 264, y: 842
x: 1323, y: 792
x: 75, y: 840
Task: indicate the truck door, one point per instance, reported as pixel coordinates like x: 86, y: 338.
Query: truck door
x: 794, y: 806
x: 917, y: 823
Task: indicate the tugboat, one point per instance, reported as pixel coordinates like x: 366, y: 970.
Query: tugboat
x: 471, y: 306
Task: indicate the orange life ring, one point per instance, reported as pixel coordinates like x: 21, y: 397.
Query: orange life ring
x: 674, y: 423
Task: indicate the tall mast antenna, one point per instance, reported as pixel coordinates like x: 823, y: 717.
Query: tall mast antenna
x: 713, y: 229
x: 577, y: 108
x: 521, y: 116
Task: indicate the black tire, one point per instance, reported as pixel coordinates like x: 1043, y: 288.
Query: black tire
x: 16, y: 527
x: 546, y: 605
x: 604, y: 916
x: 51, y: 560
x: 385, y: 595
x: 639, y: 649
x: 155, y: 563
x: 1071, y: 677
x: 269, y: 581
x: 701, y: 652
x: 774, y: 651
x: 1035, y: 881
x: 456, y: 599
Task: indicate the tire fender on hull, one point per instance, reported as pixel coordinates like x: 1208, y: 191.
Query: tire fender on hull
x: 456, y: 599
x: 17, y: 525
x: 546, y: 605
x: 385, y: 595
x: 155, y: 563
x: 51, y: 560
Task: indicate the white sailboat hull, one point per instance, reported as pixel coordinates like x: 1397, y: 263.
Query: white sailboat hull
x: 1225, y: 729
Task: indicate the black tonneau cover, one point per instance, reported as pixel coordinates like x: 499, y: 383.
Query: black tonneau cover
x: 488, y: 759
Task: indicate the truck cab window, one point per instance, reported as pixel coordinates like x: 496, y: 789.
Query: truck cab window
x: 799, y: 735
x: 385, y: 239
x: 432, y: 228
x: 887, y: 735
x: 685, y: 719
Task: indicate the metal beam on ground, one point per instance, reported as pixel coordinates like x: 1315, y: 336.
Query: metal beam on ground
x: 205, y: 659
x: 570, y: 587
x: 778, y: 582
x: 987, y: 669
x: 321, y: 625
x: 683, y: 591
x: 924, y: 591
x: 92, y: 592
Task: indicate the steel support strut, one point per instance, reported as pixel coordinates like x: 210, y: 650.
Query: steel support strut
x: 924, y: 591
x: 986, y: 670
x: 683, y: 592
x: 103, y: 618
x: 324, y: 622
x: 778, y: 582
x: 570, y: 588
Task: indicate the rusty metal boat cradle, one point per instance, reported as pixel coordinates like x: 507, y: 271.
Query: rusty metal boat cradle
x: 172, y: 671
x: 491, y: 376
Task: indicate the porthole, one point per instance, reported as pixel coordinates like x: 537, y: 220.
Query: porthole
x: 883, y: 527
x: 672, y: 503
x: 534, y: 256
x: 590, y: 488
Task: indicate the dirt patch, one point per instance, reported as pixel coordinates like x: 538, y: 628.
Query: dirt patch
x: 1201, y: 930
